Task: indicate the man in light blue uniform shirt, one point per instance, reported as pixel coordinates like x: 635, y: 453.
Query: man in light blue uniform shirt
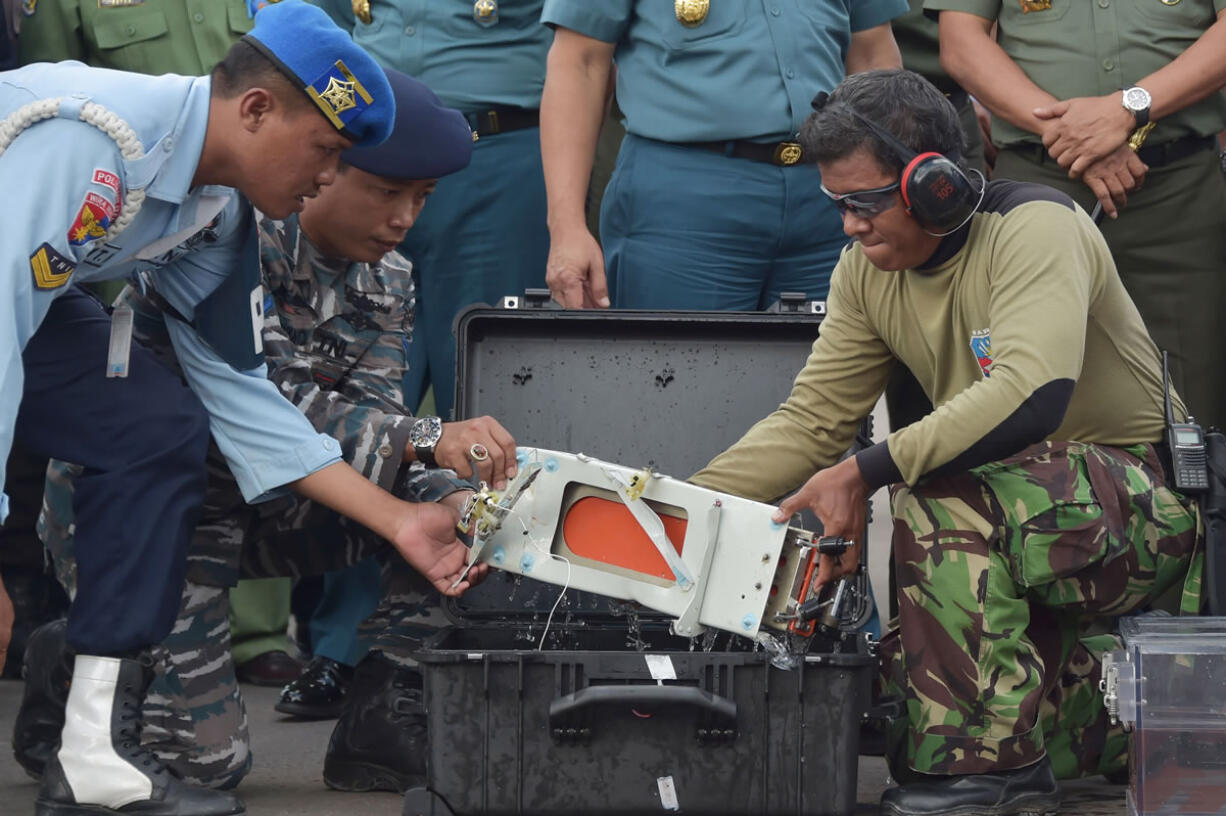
x: 712, y: 205
x: 483, y: 235
x: 128, y: 175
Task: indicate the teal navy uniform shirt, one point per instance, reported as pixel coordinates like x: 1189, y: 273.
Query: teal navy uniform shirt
x: 749, y: 71
x: 471, y: 65
x: 188, y: 238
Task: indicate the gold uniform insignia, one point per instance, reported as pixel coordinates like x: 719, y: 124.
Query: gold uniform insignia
x: 485, y: 11
x: 361, y: 10
x: 691, y: 13
x: 340, y: 95
x: 51, y: 269
x: 28, y: 7
x: 788, y: 153
x: 1035, y: 5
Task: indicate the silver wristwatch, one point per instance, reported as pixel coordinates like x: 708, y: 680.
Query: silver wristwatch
x: 424, y: 435
x: 1137, y: 101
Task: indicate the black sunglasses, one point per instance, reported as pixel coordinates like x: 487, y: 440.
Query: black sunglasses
x: 865, y: 203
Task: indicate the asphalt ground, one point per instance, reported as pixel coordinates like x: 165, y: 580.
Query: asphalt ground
x: 286, y: 779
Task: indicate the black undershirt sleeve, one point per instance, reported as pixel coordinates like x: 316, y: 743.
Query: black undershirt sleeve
x: 1033, y: 421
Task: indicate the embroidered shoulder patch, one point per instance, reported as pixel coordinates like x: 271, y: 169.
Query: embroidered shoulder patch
x: 92, y: 220
x: 981, y: 346
x: 107, y: 179
x: 51, y: 269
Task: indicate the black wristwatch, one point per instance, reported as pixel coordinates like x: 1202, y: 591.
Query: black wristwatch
x: 424, y: 436
x: 1137, y: 101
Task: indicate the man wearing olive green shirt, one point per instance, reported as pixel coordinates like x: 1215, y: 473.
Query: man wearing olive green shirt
x: 1053, y: 79
x: 186, y: 37
x: 1032, y: 504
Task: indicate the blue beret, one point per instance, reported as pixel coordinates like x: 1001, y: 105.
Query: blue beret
x: 428, y: 140
x: 348, y: 86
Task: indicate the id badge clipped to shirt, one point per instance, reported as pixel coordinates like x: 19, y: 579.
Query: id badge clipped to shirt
x: 119, y: 351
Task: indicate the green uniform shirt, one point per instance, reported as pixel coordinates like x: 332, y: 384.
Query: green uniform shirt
x: 185, y: 37
x: 920, y: 46
x: 1097, y: 47
x: 1030, y: 298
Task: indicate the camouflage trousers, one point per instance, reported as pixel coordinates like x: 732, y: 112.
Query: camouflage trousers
x: 194, y: 717
x: 1009, y: 578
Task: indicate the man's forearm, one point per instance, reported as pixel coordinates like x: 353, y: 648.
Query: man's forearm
x: 1193, y: 75
x: 572, y: 107
x: 980, y: 66
x: 871, y: 49
x: 341, y: 488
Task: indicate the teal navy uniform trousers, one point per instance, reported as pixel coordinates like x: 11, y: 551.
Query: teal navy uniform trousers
x: 482, y: 234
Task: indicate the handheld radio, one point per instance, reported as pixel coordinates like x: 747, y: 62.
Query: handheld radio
x: 1186, y: 442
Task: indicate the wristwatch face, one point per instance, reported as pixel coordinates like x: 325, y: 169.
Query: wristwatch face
x: 1136, y: 99
x: 426, y: 432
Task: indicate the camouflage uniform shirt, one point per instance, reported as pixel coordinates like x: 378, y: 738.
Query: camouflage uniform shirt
x: 335, y: 335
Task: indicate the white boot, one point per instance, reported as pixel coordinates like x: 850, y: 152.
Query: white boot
x: 101, y: 766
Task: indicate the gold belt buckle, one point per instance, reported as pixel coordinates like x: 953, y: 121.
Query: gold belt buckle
x: 787, y: 153
x: 491, y: 120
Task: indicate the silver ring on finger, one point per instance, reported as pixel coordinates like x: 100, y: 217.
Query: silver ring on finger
x: 478, y: 452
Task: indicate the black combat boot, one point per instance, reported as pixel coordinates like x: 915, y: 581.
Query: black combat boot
x: 47, y: 669
x: 380, y: 741
x: 1029, y: 791
x: 101, y: 768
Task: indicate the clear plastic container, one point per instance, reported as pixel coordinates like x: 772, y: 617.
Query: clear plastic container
x: 1171, y: 688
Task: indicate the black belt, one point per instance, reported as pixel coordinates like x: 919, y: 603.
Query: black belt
x: 780, y: 154
x: 1158, y: 155
x: 1169, y: 152
x: 502, y: 120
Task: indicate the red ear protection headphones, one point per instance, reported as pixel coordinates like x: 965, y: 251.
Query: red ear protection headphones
x: 935, y: 190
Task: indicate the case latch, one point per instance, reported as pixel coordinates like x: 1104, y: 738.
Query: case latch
x: 1118, y: 686
x: 797, y: 303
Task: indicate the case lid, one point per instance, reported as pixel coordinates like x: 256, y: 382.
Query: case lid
x: 666, y: 389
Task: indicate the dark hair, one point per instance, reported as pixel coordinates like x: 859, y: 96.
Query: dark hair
x: 245, y: 67
x: 902, y: 102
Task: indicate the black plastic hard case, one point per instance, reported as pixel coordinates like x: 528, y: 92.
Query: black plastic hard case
x: 582, y: 725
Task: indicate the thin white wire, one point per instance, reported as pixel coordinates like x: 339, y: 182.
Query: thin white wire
x: 536, y: 544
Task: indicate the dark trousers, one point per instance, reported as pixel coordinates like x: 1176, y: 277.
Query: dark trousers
x: 142, y: 441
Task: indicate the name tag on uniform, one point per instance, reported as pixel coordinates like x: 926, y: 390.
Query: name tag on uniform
x: 119, y: 3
